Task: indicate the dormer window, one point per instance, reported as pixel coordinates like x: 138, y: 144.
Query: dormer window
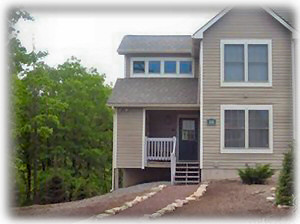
x: 162, y: 67
x: 170, y: 67
x: 154, y: 67
x: 139, y: 67
x: 185, y: 67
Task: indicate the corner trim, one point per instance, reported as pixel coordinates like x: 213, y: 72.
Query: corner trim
x: 201, y: 103
x: 115, y: 136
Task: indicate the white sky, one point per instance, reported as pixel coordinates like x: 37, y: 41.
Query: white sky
x: 95, y: 36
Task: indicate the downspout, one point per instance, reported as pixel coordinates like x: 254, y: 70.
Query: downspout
x: 201, y: 102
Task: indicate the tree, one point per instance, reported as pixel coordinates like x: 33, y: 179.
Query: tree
x: 284, y: 191
x: 62, y: 128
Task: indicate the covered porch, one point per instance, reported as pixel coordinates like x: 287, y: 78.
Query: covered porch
x: 171, y: 135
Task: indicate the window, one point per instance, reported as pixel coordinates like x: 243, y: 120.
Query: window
x: 185, y: 67
x: 246, y: 63
x: 259, y: 128
x: 234, y: 128
x: 188, y: 130
x: 162, y: 67
x: 234, y: 63
x: 258, y: 63
x: 139, y: 67
x: 170, y: 66
x: 154, y: 67
x: 246, y: 129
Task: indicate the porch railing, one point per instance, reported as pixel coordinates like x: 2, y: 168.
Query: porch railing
x: 160, y: 149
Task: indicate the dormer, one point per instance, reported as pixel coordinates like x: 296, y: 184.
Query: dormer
x: 161, y: 56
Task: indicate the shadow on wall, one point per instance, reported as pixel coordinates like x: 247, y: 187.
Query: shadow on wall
x: 132, y: 176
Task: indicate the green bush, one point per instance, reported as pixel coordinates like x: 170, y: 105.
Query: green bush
x: 257, y: 175
x: 284, y: 191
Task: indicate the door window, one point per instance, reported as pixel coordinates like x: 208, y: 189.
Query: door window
x: 188, y: 130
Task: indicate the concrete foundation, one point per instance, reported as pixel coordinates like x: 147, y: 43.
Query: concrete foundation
x: 218, y: 174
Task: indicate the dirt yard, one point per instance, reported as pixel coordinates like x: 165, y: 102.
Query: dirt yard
x: 158, y: 201
x: 232, y: 198
x: 222, y: 198
x: 87, y: 207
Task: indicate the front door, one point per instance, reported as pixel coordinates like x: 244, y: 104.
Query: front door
x: 188, y: 139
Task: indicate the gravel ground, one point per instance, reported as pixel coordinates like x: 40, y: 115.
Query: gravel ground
x: 233, y: 199
x: 87, y: 207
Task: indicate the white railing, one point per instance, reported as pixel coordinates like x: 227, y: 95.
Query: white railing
x: 159, y: 149
x: 173, y: 162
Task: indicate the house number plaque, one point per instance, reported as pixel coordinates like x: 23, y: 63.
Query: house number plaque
x: 211, y: 122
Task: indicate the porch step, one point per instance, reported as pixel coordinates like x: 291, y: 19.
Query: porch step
x: 187, y: 173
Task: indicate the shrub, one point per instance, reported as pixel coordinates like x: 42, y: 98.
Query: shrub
x: 257, y: 175
x: 55, y: 191
x: 284, y: 191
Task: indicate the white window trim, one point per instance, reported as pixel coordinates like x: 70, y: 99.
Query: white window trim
x: 162, y: 74
x: 246, y: 83
x: 246, y: 149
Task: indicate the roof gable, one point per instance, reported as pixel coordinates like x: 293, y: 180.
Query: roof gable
x: 199, y: 33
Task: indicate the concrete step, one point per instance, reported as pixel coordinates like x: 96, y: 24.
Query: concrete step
x: 187, y: 171
x: 184, y: 177
x: 187, y: 162
x: 188, y: 182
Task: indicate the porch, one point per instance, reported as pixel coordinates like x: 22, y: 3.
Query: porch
x: 172, y: 141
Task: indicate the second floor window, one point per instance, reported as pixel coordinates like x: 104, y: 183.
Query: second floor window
x: 170, y: 67
x: 154, y: 67
x: 139, y: 66
x: 162, y: 67
x: 246, y: 63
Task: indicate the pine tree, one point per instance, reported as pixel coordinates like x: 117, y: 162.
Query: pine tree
x: 284, y: 192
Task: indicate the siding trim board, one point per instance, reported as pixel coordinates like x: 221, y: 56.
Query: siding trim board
x: 201, y: 104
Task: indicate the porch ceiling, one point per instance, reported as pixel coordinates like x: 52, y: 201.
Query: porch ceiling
x: 155, y: 91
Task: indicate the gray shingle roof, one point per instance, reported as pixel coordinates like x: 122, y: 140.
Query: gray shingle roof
x: 156, y: 44
x: 154, y: 91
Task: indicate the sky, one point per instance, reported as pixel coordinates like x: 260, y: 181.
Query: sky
x: 94, y: 36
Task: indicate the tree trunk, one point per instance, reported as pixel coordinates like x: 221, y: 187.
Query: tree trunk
x: 28, y: 190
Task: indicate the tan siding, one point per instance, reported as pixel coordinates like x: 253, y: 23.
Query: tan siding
x: 129, y: 138
x: 238, y: 24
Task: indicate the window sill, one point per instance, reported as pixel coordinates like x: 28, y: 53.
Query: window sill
x: 162, y: 76
x: 245, y: 84
x: 250, y: 151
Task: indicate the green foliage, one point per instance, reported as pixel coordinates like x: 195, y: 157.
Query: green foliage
x: 55, y: 191
x: 61, y: 127
x: 257, y: 175
x: 284, y: 191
